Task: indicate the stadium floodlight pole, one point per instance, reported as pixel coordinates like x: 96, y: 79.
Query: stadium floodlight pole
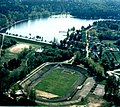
x: 1, y: 46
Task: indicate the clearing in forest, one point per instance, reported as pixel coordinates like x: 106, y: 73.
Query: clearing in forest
x: 18, y: 48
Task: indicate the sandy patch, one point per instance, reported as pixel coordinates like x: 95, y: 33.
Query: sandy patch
x: 18, y: 48
x: 94, y: 102
x: 45, y: 94
x: 77, y: 106
x: 99, y: 90
x: 94, y: 105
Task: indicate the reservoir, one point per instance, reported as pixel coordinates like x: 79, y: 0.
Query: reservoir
x: 49, y: 28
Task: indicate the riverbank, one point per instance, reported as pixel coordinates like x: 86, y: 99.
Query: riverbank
x: 26, y: 40
x: 12, y: 24
x: 49, y: 28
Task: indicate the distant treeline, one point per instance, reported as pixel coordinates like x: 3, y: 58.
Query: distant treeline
x: 108, y: 30
x: 15, y: 10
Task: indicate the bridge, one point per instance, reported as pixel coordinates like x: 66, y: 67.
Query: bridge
x: 24, y: 38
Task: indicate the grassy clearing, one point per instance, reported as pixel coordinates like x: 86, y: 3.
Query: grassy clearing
x: 117, y: 55
x: 57, y: 82
x: 7, y: 56
x: 109, y: 41
x: 10, y: 55
x: 105, y: 56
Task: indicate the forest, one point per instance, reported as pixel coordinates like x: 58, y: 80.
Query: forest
x: 18, y: 67
x: 12, y: 11
x: 16, y: 10
x: 108, y: 30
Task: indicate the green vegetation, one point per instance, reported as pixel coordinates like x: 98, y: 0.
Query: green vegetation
x: 112, y: 90
x: 91, y: 98
x: 104, y: 55
x: 117, y: 56
x: 15, y: 66
x: 49, y: 54
x: 118, y: 43
x: 95, y: 68
x: 58, y: 81
x: 104, y: 38
x: 16, y: 10
x: 21, y: 40
x: 7, y: 56
x: 112, y: 55
x: 109, y: 41
x: 105, y: 43
x: 107, y: 30
x: 7, y: 42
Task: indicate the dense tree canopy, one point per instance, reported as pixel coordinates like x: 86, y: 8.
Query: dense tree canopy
x: 93, y: 67
x: 49, y: 55
x: 107, y: 30
x: 7, y: 42
x: 112, y: 89
x: 15, y: 10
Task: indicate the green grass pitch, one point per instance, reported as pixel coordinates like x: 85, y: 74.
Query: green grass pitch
x: 58, y: 82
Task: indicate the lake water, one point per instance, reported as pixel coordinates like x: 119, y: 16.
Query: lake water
x: 50, y: 27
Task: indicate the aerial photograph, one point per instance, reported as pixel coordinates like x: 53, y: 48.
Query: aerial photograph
x: 60, y: 53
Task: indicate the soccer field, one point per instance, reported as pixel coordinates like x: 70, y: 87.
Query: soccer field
x: 58, y: 81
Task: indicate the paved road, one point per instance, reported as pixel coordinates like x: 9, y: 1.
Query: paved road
x: 87, y: 50
x: 70, y: 61
x: 4, y: 34
x: 87, y: 46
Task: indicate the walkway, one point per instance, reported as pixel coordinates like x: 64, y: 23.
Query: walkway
x: 70, y: 61
x: 87, y: 45
x: 33, y: 40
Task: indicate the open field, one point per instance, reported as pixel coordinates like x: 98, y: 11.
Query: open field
x: 117, y: 55
x: 109, y: 41
x: 58, y: 82
x: 18, y: 48
x: 8, y: 56
x: 12, y: 52
x: 112, y: 55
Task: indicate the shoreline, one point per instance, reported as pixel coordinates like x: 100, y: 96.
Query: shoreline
x: 12, y: 24
x: 17, y: 22
x: 20, y: 21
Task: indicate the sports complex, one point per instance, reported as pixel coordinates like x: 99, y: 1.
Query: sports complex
x: 56, y: 82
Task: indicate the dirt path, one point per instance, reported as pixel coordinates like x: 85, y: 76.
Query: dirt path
x: 45, y: 94
x: 94, y: 102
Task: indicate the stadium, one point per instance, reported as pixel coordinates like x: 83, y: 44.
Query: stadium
x: 55, y: 82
